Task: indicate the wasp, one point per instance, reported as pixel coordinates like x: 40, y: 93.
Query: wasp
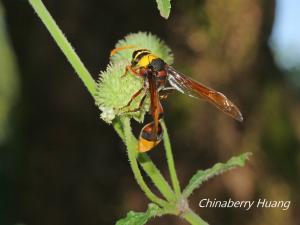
x: 160, y: 79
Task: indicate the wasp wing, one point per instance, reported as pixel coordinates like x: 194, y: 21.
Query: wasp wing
x: 156, y: 108
x: 193, y: 88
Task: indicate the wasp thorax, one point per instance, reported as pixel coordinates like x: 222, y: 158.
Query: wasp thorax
x: 157, y: 65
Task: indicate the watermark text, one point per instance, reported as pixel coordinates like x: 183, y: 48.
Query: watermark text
x: 247, y: 205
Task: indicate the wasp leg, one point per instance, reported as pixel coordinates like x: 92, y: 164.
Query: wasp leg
x: 164, y: 93
x: 161, y: 112
x: 133, y: 97
x: 140, y: 105
x: 131, y: 70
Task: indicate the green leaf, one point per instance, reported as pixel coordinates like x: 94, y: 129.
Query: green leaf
x: 203, y: 175
x: 140, y: 218
x: 164, y: 7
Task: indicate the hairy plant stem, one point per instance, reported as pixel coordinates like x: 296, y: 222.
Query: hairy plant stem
x: 131, y: 145
x: 193, y: 218
x: 170, y: 160
x: 148, y: 166
x: 156, y: 177
x: 64, y: 45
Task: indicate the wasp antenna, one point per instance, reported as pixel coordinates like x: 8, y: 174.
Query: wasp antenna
x: 116, y: 50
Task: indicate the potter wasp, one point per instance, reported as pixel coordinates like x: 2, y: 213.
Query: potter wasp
x: 159, y: 80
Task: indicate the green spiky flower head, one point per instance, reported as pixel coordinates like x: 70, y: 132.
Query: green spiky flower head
x: 115, y: 90
x: 142, y: 40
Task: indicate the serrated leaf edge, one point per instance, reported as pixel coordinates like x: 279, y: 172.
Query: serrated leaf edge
x: 152, y: 211
x: 203, y: 175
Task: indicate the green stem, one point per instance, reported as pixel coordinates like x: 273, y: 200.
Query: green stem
x: 132, y: 155
x: 148, y: 166
x: 170, y: 160
x: 156, y: 177
x: 64, y: 45
x: 193, y: 218
x: 118, y: 128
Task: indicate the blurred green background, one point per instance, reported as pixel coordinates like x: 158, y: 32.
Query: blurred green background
x: 61, y: 165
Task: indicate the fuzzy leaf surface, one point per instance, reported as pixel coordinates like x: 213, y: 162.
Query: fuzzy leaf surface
x: 203, y: 175
x: 140, y: 218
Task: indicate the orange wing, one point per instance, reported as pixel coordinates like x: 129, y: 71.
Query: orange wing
x: 194, y: 89
x: 156, y: 108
